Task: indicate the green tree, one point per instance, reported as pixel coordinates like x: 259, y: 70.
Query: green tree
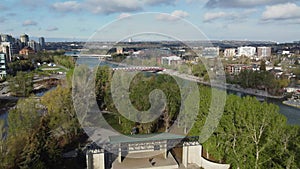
x: 24, y: 118
x: 3, y: 148
x: 41, y: 150
x: 61, y: 113
x: 21, y: 84
x: 22, y: 121
x: 262, y: 65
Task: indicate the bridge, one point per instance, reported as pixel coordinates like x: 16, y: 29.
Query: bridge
x: 93, y: 55
x: 139, y: 68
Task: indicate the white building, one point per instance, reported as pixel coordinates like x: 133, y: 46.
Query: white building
x: 211, y: 52
x: 230, y: 52
x: 2, y: 65
x: 286, y: 52
x: 8, y: 49
x: 247, y: 51
x: 34, y: 45
x: 171, y: 60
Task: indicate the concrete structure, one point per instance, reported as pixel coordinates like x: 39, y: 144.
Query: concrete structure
x: 9, y: 49
x: 246, y: 51
x: 3, y: 72
x: 42, y: 43
x: 286, y: 52
x: 119, y: 50
x: 230, y: 52
x: 211, y: 52
x: 149, y: 152
x: 264, y: 52
x: 6, y: 38
x: 171, y: 60
x: 24, y: 39
x: 34, y: 46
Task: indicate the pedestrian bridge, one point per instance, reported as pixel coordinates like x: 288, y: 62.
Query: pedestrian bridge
x: 139, y: 68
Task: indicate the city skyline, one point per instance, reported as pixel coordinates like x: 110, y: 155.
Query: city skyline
x: 219, y: 20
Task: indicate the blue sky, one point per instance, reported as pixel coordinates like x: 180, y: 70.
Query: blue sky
x: 272, y: 20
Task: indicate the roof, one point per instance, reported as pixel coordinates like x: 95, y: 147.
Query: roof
x: 27, y: 48
x: 144, y: 138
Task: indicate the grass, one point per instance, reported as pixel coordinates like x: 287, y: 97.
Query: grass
x: 54, y: 68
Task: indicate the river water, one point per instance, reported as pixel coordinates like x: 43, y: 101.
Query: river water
x: 292, y: 113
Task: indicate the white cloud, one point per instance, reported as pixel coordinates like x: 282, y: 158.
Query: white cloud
x: 124, y: 15
x: 214, y: 15
x: 53, y: 28
x: 158, y: 2
x: 112, y: 6
x: 281, y: 12
x: 108, y: 6
x: 68, y: 6
x: 29, y: 23
x: 232, y: 16
x: 242, y: 3
x: 175, y: 15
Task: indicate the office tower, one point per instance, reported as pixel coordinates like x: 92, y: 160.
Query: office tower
x: 42, y: 43
x: 24, y: 39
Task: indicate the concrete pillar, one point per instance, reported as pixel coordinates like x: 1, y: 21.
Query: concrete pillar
x: 98, y: 161
x: 166, y: 153
x: 120, y: 154
x: 185, y: 155
x: 194, y: 154
x: 89, y: 160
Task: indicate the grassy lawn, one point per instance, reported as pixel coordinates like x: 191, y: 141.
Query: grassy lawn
x: 56, y: 68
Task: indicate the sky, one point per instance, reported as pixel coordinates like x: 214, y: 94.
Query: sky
x: 267, y: 20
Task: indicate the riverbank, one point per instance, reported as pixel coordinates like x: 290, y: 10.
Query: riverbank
x: 292, y: 103
x: 225, y: 86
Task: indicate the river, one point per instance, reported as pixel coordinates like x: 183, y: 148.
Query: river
x: 292, y: 113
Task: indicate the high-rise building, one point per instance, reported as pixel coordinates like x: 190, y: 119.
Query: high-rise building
x: 24, y: 39
x: 8, y: 49
x: 2, y: 65
x: 230, y: 52
x: 264, y: 51
x: 42, y: 43
x: 6, y: 38
x: 246, y: 51
x: 33, y: 45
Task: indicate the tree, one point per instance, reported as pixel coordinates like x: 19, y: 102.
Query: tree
x: 24, y: 118
x: 22, y: 121
x: 250, y: 135
x: 3, y: 147
x: 61, y: 113
x: 41, y: 150
x: 262, y: 65
x: 21, y: 84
